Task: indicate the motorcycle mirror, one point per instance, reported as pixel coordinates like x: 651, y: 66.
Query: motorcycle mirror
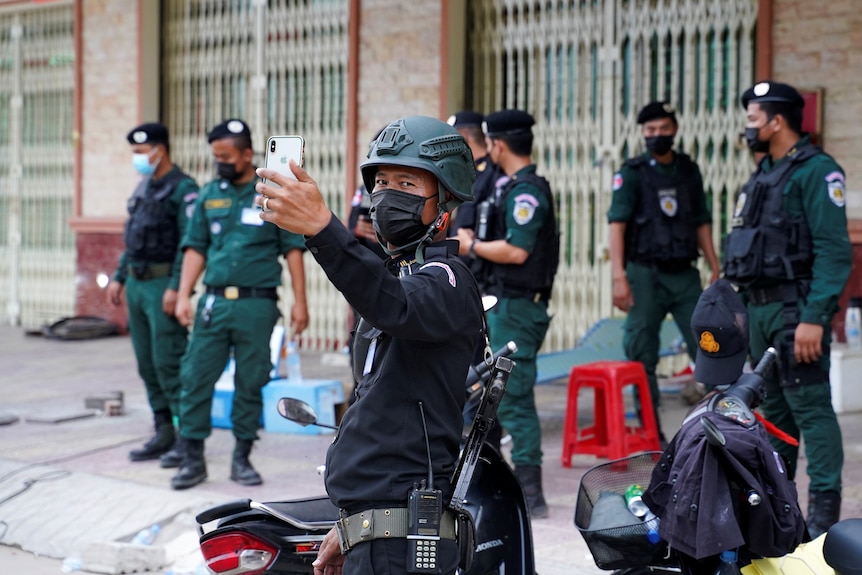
x: 714, y: 435
x: 488, y: 301
x: 299, y: 412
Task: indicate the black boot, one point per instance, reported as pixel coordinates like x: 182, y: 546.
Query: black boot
x: 241, y: 470
x: 824, y: 510
x: 530, y: 477
x: 174, y: 457
x: 160, y: 443
x: 193, y: 469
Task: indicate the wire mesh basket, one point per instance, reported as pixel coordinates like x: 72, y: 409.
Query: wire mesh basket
x: 625, y: 545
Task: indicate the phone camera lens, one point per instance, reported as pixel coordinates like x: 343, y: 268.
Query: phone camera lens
x: 272, y: 146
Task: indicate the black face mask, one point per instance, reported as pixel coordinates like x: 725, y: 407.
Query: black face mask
x: 660, y: 145
x: 755, y: 144
x: 397, y: 216
x: 226, y: 171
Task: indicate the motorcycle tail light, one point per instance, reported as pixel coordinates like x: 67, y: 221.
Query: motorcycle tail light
x: 238, y: 554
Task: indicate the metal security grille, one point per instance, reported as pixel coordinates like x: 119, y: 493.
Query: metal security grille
x: 37, y: 247
x: 280, y: 65
x: 584, y: 69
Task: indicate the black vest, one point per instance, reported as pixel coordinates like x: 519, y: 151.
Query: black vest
x: 537, y: 273
x: 152, y: 234
x: 765, y: 242
x: 663, y: 229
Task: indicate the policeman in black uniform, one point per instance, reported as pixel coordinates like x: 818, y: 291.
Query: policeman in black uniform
x: 421, y: 315
x: 521, y: 253
x: 149, y: 274
x: 467, y: 216
x: 789, y: 250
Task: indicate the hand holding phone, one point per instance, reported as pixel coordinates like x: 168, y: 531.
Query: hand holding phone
x: 280, y: 150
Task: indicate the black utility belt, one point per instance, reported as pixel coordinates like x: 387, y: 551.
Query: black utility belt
x: 666, y: 266
x: 387, y: 523
x: 236, y: 292
x: 149, y: 271
x: 773, y: 294
x: 521, y: 293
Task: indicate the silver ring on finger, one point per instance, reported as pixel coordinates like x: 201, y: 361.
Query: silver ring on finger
x: 264, y: 205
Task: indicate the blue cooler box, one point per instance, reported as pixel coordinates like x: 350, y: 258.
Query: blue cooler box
x: 321, y: 394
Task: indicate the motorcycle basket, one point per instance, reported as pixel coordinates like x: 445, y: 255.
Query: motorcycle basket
x: 616, y: 538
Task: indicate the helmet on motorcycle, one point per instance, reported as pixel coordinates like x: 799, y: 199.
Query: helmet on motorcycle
x: 428, y: 144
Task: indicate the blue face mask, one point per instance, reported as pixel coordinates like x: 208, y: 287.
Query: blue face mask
x: 141, y: 162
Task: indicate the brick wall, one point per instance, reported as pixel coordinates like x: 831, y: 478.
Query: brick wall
x: 110, y: 105
x: 819, y: 45
x: 399, y: 63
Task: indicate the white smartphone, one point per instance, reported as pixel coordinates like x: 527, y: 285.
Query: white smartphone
x: 280, y: 150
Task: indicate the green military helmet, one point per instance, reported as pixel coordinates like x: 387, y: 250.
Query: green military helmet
x: 428, y: 144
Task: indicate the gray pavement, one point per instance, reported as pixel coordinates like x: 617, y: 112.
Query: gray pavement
x: 68, y: 489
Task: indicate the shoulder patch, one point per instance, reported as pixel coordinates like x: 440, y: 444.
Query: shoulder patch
x: 357, y: 197
x: 525, y: 208
x: 835, y: 188
x: 443, y: 266
x: 618, y: 182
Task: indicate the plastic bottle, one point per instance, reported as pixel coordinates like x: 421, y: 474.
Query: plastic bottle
x: 146, y: 536
x: 294, y: 365
x: 728, y: 565
x: 651, y: 522
x: 634, y: 500
x: 853, y: 324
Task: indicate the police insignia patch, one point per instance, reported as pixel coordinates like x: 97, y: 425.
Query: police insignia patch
x: 835, y: 187
x: 618, y: 181
x: 215, y: 228
x: 235, y: 126
x: 740, y: 204
x: 525, y: 208
x: 450, y: 274
x: 707, y: 342
x: 668, y: 203
x: 139, y: 137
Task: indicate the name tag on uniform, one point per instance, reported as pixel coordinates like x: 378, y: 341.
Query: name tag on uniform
x: 251, y: 217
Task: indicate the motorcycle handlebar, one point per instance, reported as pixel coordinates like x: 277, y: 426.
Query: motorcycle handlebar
x: 480, y: 370
x: 750, y: 388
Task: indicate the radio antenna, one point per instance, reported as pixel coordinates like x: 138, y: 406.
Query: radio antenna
x: 427, y: 447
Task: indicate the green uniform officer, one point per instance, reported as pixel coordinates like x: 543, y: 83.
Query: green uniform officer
x: 239, y: 307
x: 149, y: 273
x: 658, y: 220
x: 521, y: 251
x: 790, y: 251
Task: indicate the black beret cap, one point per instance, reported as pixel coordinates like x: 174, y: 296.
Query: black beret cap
x: 466, y: 119
x: 719, y: 324
x: 149, y: 133
x: 656, y: 111
x: 507, y: 122
x: 229, y: 129
x: 772, y: 92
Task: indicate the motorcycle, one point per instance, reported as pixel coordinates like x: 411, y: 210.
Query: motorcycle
x: 631, y: 545
x: 246, y: 537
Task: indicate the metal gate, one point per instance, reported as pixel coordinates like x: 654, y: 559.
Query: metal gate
x: 37, y: 247
x: 281, y: 65
x: 583, y: 69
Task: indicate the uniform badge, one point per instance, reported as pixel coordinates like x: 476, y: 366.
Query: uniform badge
x: 139, y: 137
x: 215, y: 228
x: 190, y: 210
x: 707, y: 342
x: 235, y: 126
x: 482, y: 165
x: 835, y: 187
x: 525, y: 208
x: 740, y: 204
x: 357, y: 197
x: 218, y: 203
x: 223, y: 185
x: 618, y: 181
x: 667, y: 201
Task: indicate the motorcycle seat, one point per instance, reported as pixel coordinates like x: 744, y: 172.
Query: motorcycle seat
x: 313, y: 513
x: 842, y: 549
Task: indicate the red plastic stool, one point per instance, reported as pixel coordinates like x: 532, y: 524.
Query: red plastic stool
x: 609, y: 436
